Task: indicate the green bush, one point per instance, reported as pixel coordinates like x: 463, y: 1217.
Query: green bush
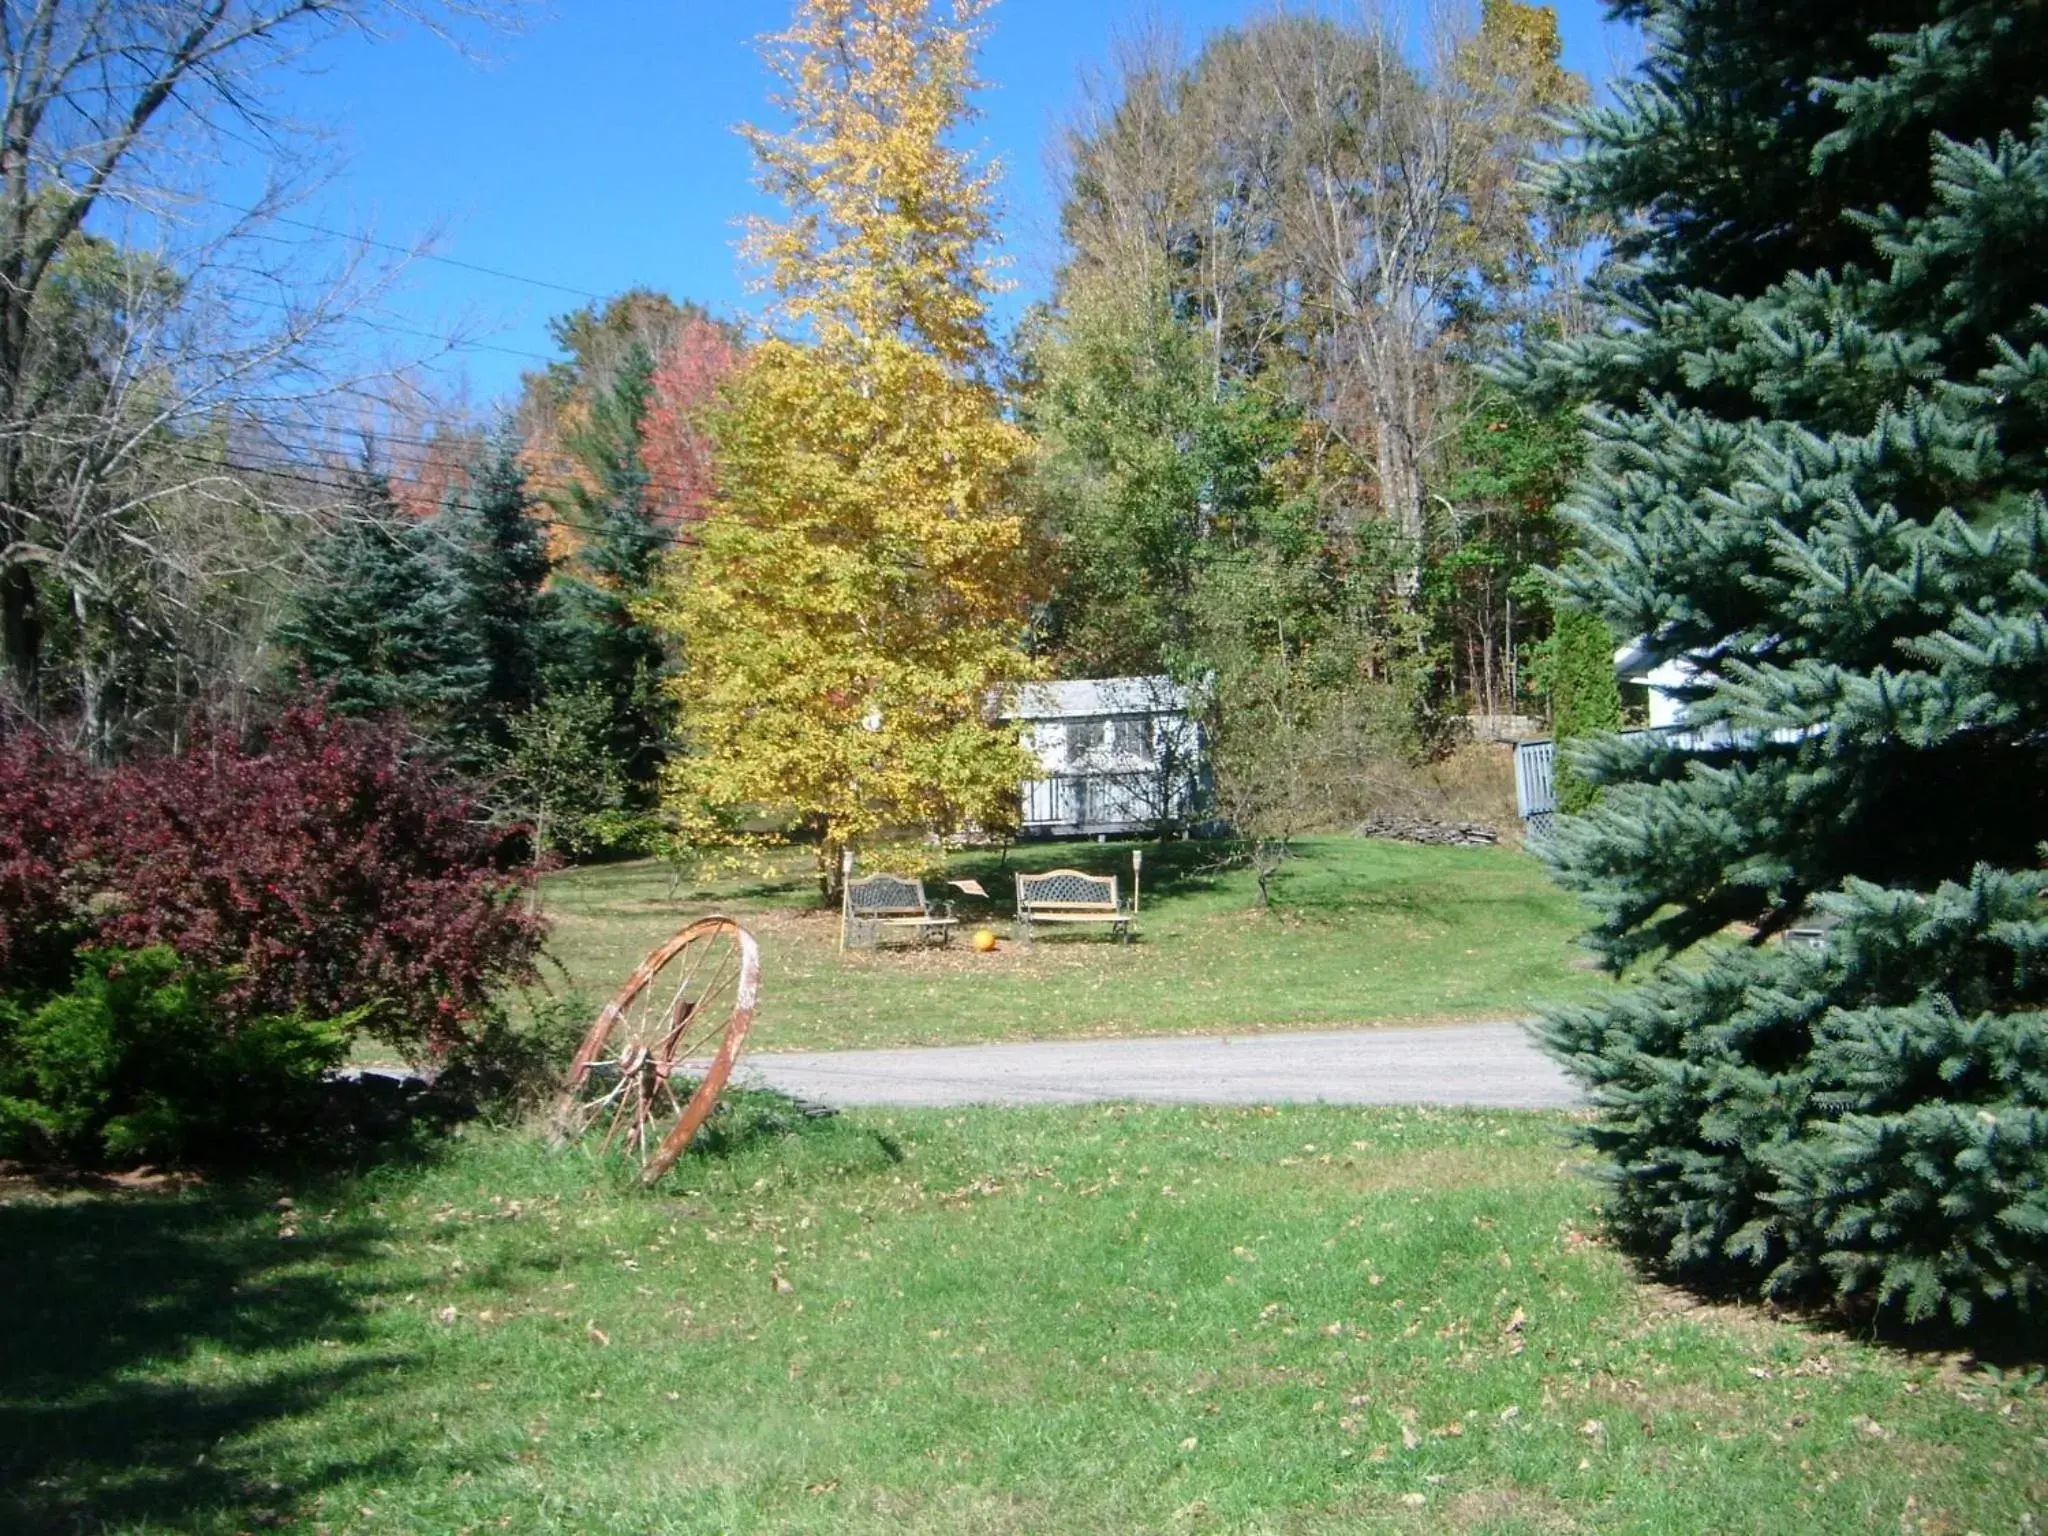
x: 508, y: 1069
x: 1576, y: 670
x: 1867, y: 1124
x: 135, y: 1063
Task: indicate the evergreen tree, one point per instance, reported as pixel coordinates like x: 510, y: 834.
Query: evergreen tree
x: 597, y: 642
x: 1817, y: 477
x: 382, y: 625
x: 496, y: 551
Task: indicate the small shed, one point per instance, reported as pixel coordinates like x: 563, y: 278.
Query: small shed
x: 1117, y: 755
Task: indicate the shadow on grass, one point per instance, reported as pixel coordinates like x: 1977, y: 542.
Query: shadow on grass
x: 751, y: 1117
x: 105, y: 1296
x: 1176, y: 868
x: 2001, y: 1339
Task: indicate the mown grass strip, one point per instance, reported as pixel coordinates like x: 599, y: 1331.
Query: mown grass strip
x: 1111, y: 1318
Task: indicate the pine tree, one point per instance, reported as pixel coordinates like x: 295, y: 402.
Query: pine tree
x: 382, y: 625
x: 858, y: 592
x: 598, y: 642
x: 1817, y: 478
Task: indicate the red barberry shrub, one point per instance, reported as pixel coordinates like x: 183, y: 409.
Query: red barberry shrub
x: 47, y: 804
x: 326, y: 871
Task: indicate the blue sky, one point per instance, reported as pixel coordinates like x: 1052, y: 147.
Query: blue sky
x: 596, y: 151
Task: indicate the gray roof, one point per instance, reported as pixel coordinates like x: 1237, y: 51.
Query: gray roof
x: 1098, y: 696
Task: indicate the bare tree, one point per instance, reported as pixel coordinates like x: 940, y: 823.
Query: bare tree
x: 156, y: 347
x: 1411, y: 189
x: 1323, y: 204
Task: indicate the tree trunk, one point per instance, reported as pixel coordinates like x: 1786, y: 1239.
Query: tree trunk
x: 1400, y: 477
x: 95, y: 734
x: 21, y: 633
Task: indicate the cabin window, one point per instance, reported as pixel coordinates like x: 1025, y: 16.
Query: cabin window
x: 1132, y: 738
x: 1096, y: 743
x: 1084, y: 741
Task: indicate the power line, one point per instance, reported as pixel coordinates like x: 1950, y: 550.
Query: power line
x: 294, y: 472
x: 393, y: 328
x: 417, y: 255
x: 562, y: 457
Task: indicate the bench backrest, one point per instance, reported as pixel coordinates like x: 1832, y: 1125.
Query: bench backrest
x: 885, y: 896
x: 1068, y: 889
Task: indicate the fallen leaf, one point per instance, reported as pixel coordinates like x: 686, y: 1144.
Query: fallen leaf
x: 1190, y: 1443
x: 595, y: 1334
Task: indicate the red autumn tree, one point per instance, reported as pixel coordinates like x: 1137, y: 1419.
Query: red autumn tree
x: 676, y: 440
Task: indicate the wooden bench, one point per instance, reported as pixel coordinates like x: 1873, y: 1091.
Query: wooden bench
x: 876, y: 906
x: 1068, y: 896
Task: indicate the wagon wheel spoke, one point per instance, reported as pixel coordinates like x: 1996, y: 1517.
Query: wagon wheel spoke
x: 706, y: 1009
x: 675, y: 1104
x: 592, y: 1110
x: 612, y: 1130
x: 696, y: 956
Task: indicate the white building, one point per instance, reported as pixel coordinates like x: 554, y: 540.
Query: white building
x: 1118, y: 755
x: 1662, y: 680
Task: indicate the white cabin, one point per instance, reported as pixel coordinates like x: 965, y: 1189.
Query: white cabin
x: 1118, y: 755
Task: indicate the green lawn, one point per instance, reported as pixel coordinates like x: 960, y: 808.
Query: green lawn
x: 1102, y: 1319
x: 1365, y: 931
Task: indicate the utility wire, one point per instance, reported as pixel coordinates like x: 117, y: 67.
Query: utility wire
x: 561, y: 457
x: 294, y: 473
x: 417, y: 255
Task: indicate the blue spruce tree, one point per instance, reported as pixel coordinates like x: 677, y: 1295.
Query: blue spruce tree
x: 1820, y: 410
x: 382, y: 625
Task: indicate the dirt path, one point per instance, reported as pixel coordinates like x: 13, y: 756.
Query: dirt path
x: 1490, y: 1065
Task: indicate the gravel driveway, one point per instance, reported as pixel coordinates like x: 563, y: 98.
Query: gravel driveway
x: 1489, y: 1065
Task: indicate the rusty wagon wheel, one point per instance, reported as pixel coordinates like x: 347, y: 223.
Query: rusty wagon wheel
x: 684, y: 1012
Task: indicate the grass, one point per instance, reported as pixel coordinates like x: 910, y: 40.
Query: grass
x: 1365, y: 932
x: 1094, y: 1319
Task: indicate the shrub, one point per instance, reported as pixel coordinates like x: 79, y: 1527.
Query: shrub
x: 506, y: 1070
x: 1576, y: 668
x: 327, y: 871
x: 134, y: 1062
x: 323, y: 872
x: 1867, y: 1124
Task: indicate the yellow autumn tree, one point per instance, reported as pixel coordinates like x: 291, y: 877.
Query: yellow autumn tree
x: 856, y: 597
